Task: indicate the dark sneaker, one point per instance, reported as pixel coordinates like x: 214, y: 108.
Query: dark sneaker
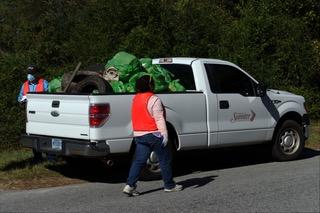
x: 174, y: 189
x: 131, y: 191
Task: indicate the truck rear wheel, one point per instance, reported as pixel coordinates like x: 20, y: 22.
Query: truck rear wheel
x: 288, y: 142
x: 152, y: 169
x: 37, y: 156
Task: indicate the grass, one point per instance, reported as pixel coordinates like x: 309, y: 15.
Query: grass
x: 18, y: 170
x: 314, y: 138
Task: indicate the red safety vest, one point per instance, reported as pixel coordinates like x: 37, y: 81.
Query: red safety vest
x: 39, y: 87
x: 141, y: 118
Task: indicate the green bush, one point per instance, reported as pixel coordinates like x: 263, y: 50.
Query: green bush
x: 312, y: 97
x: 275, y: 41
x: 12, y: 116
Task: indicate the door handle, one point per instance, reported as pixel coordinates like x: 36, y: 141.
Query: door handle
x: 55, y: 104
x: 224, y: 104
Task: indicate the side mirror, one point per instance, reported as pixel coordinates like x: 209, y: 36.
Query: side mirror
x: 261, y: 90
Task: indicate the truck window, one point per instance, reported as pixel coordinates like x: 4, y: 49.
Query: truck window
x: 182, y: 72
x: 228, y: 79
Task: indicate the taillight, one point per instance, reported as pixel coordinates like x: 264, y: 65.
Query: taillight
x: 98, y: 114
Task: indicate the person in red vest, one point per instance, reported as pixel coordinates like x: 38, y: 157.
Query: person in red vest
x: 150, y: 134
x: 33, y: 83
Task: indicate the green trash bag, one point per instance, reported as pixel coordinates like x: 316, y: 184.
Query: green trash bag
x: 156, y: 71
x: 118, y: 86
x: 160, y: 85
x: 175, y: 86
x: 161, y: 76
x: 146, y: 62
x: 55, y: 85
x: 126, y: 64
x: 131, y: 85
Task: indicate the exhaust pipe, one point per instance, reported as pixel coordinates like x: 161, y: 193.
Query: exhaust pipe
x: 110, y: 163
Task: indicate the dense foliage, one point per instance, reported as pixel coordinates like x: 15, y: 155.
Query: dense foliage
x: 277, y: 41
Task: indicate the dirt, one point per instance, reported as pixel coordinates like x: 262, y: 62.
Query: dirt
x: 38, y: 183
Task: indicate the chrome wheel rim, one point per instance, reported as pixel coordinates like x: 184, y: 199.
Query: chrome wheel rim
x: 289, y: 141
x: 153, y: 162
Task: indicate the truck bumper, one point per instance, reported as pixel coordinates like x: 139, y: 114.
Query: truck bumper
x: 305, y: 124
x: 66, y: 147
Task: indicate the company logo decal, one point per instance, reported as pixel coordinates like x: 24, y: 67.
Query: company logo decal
x: 243, y: 116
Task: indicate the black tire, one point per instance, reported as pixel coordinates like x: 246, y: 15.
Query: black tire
x: 81, y: 74
x: 72, y: 88
x: 288, y: 142
x: 91, y: 84
x: 37, y: 156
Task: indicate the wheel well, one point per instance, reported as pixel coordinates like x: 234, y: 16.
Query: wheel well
x: 173, y: 133
x: 132, y: 149
x: 288, y: 116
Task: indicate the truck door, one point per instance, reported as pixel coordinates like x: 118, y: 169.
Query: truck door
x: 242, y: 116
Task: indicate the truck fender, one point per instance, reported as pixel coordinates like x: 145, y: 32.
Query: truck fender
x: 289, y: 111
x: 291, y: 106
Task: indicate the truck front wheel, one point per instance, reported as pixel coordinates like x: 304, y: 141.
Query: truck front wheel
x: 288, y: 142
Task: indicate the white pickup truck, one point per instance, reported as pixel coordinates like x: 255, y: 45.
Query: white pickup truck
x: 222, y: 106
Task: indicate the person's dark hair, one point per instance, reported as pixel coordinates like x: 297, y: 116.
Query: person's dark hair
x: 145, y: 84
x: 32, y: 69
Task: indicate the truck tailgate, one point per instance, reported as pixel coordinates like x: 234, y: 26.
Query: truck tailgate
x: 58, y: 115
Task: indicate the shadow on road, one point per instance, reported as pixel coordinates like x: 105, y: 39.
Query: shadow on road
x: 185, y: 163
x: 192, y: 182
x: 309, y: 153
x: 93, y: 170
x: 208, y: 160
x: 197, y: 182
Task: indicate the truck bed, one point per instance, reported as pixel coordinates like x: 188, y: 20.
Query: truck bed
x: 67, y: 116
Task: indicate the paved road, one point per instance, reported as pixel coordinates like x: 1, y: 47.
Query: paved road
x: 220, y: 181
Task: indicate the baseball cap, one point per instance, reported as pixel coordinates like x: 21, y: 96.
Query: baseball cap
x: 32, y: 69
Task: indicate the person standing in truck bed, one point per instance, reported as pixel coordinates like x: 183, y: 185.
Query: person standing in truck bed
x: 34, y: 83
x: 150, y: 134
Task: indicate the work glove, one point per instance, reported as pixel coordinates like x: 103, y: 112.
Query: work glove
x: 164, y: 140
x: 23, y: 99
